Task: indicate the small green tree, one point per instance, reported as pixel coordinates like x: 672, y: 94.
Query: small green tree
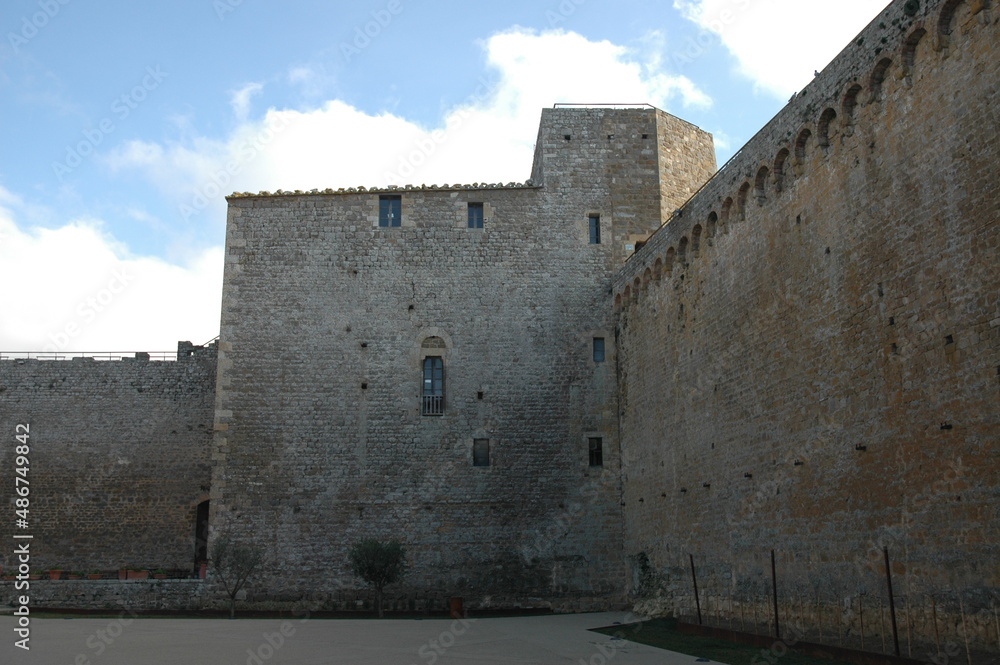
x: 378, y: 564
x: 233, y: 564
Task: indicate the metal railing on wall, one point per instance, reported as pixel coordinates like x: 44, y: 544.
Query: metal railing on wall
x: 88, y: 355
x: 433, y: 405
x: 184, y: 350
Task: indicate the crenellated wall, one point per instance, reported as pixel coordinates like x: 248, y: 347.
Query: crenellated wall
x: 809, y: 351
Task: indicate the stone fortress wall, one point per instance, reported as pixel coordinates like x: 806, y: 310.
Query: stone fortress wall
x: 802, y: 355
x: 327, y: 318
x: 119, y: 458
x: 809, y: 350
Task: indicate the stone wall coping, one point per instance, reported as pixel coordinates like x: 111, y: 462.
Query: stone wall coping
x: 391, y: 189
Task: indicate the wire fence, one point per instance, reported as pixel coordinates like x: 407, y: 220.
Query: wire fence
x: 872, y: 612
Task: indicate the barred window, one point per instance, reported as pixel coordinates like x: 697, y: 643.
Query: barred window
x: 433, y: 386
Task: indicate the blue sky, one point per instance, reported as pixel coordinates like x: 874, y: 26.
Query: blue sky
x: 127, y: 123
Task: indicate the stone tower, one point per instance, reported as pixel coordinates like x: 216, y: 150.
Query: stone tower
x: 437, y: 364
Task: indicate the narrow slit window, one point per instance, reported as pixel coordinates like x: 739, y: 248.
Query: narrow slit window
x: 595, y: 229
x: 480, y: 452
x: 598, y: 349
x: 433, y: 387
x: 475, y: 215
x: 596, y: 449
x: 390, y: 210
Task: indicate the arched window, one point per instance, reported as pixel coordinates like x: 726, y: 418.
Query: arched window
x: 779, y: 169
x: 945, y: 20
x: 800, y: 149
x: 433, y: 350
x: 741, y: 201
x: 878, y: 77
x: 433, y: 386
x: 727, y: 207
x: 849, y: 106
x: 713, y: 221
x: 825, y: 125
x: 909, y: 59
x: 760, y: 185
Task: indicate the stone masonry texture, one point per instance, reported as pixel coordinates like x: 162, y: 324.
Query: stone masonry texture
x: 809, y: 351
x: 802, y: 355
x: 327, y: 317
x: 119, y: 458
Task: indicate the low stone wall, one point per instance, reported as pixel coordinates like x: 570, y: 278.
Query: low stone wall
x: 200, y: 595
x: 114, y: 595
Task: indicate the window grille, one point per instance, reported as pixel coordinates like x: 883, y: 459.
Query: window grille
x: 433, y: 387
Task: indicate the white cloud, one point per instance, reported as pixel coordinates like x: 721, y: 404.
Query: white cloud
x: 780, y: 43
x: 486, y: 138
x: 311, y: 80
x: 556, y: 66
x: 79, y: 289
x: 722, y: 140
x: 74, y: 288
x: 240, y: 99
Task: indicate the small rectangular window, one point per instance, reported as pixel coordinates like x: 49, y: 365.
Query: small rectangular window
x: 481, y: 452
x: 595, y: 229
x: 475, y: 215
x: 598, y: 349
x: 596, y: 451
x: 390, y: 210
